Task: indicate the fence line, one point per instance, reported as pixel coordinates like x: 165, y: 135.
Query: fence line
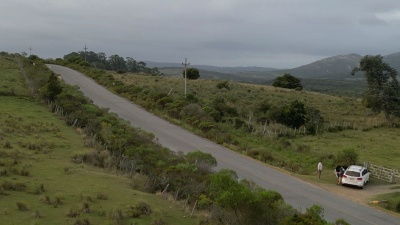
x: 266, y: 130
x: 383, y: 173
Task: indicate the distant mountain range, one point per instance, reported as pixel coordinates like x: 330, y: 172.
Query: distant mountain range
x: 335, y: 67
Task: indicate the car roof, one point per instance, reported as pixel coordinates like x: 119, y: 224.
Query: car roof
x: 355, y: 168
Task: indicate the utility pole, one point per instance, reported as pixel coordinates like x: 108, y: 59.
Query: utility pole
x: 185, y: 64
x: 30, y: 50
x: 85, y: 51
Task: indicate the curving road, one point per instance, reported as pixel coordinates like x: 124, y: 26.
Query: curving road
x: 299, y: 194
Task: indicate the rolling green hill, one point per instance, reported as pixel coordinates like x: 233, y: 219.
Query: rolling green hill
x: 40, y: 183
x: 348, y: 125
x: 336, y: 67
x: 329, y: 75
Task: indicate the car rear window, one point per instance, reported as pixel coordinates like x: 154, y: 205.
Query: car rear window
x: 352, y: 173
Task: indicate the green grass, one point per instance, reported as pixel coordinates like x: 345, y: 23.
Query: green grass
x: 49, y: 164
x: 390, y: 201
x: 247, y: 96
x: 12, y: 83
x: 378, y: 146
x: 39, y: 182
x: 362, y: 131
x: 373, y: 142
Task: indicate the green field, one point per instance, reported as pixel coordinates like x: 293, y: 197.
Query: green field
x: 362, y: 132
x: 41, y: 184
x: 12, y: 81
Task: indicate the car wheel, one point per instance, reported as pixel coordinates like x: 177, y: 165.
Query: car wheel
x: 362, y: 187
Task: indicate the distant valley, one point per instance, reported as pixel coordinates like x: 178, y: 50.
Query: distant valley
x: 329, y: 75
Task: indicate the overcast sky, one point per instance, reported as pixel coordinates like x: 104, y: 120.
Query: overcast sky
x: 267, y: 33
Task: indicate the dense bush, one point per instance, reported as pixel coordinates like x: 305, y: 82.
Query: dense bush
x: 347, y: 157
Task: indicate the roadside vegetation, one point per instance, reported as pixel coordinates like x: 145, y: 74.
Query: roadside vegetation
x: 285, y: 128
x: 390, y: 201
x: 47, y: 173
x: 41, y: 182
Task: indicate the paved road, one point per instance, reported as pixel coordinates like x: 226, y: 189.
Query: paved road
x: 297, y: 193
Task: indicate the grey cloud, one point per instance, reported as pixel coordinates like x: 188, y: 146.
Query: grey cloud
x: 274, y: 33
x: 372, y: 20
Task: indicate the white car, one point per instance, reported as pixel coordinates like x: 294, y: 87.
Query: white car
x: 356, y: 176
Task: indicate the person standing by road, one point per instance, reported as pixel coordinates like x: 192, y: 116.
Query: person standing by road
x: 319, y: 169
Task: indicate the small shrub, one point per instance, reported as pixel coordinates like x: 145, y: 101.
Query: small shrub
x: 116, y: 215
x: 4, y: 172
x: 86, y: 208
x: 133, y: 212
x: 24, y: 173
x: 13, y: 186
x: 7, y: 145
x: 16, y: 161
x: 398, y: 207
x: 58, y: 201
x: 47, y: 199
x: 37, y: 215
x: 102, y: 213
x: 140, y: 182
x: 303, y: 148
x: 67, y: 170
x: 102, y: 196
x: 79, y: 158
x: 89, y: 199
x: 82, y: 222
x: 144, y: 208
x: 73, y: 213
x: 253, y: 153
x: 204, y: 202
x: 21, y: 206
x: 341, y: 222
x: 38, y: 190
x: 159, y: 222
x: 2, y: 191
x: 347, y: 157
x: 3, y: 154
x: 34, y: 146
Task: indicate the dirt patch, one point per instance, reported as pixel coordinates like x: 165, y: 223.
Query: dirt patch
x: 362, y: 196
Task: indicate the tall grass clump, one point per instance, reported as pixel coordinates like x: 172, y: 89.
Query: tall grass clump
x: 22, y: 206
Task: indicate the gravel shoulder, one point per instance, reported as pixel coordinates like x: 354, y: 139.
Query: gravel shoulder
x: 361, y: 196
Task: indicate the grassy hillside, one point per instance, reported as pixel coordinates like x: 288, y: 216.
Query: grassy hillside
x: 335, y: 67
x: 247, y: 96
x: 348, y: 124
x: 39, y: 182
x: 12, y: 81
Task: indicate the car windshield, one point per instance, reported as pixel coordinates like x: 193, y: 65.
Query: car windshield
x: 352, y: 173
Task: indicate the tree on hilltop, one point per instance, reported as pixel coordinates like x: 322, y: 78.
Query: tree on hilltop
x: 383, y: 89
x: 287, y: 81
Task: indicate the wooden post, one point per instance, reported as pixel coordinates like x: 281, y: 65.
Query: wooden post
x: 176, y: 196
x: 184, y: 206
x: 165, y: 189
x: 393, y: 178
x: 193, y: 208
